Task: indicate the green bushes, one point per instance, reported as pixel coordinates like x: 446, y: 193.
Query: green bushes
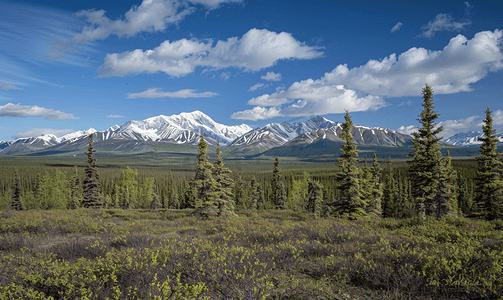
x: 134, y: 254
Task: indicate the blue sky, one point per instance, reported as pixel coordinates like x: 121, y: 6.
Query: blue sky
x: 71, y: 65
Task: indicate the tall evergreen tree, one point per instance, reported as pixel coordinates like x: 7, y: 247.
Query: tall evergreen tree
x: 76, y: 190
x: 314, y: 197
x: 16, y: 202
x: 426, y: 156
x: 445, y: 200
x: 205, y: 186
x: 374, y: 206
x: 276, y: 179
x: 224, y: 186
x: 254, y: 193
x: 389, y: 194
x: 352, y: 205
x: 280, y: 196
x: 91, y: 194
x: 488, y: 199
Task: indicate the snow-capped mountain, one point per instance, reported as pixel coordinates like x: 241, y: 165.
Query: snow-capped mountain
x: 466, y: 139
x: 5, y: 144
x: 183, y: 128
x: 277, y: 134
x: 361, y: 134
x: 186, y: 128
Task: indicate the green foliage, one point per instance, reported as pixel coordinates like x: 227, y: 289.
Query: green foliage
x: 204, y: 185
x: 224, y: 186
x: 488, y: 200
x: 426, y: 156
x: 351, y: 204
x: 91, y: 196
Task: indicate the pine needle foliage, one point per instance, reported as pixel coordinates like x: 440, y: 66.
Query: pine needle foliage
x: 16, y: 202
x: 488, y: 200
x: 91, y: 194
x: 352, y: 204
x: 224, y: 186
x: 426, y: 156
x: 205, y: 186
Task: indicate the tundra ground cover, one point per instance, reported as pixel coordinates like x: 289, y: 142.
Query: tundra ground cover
x: 138, y: 254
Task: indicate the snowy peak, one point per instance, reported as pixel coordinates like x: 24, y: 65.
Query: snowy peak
x: 471, y: 138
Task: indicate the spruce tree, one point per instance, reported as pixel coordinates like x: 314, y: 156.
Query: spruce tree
x: 224, y: 186
x: 76, y: 190
x: 375, y: 184
x: 16, y: 202
x: 280, y: 196
x: 445, y: 200
x: 314, y: 197
x: 389, y: 194
x: 352, y: 205
x: 488, y: 199
x: 426, y: 157
x: 275, y: 180
x: 91, y: 195
x: 254, y: 194
x: 205, y: 186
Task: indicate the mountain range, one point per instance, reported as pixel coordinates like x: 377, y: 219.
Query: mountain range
x: 186, y: 128
x: 471, y: 138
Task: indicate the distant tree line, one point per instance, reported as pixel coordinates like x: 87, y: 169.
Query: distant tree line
x: 428, y: 186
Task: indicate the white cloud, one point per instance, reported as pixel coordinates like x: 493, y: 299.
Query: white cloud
x: 155, y: 93
x: 150, y: 16
x: 43, y: 131
x: 450, y: 70
x: 271, y: 76
x: 397, y: 27
x: 255, y: 87
x: 407, y: 129
x: 7, y: 86
x: 21, y: 111
x: 312, y: 98
x: 442, y: 22
x: 115, y: 116
x: 497, y: 117
x: 257, y: 113
x: 452, y: 127
x: 255, y: 50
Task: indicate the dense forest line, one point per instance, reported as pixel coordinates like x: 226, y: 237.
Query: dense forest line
x: 428, y: 185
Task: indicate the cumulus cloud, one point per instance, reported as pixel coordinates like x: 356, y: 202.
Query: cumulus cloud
x: 397, y: 27
x: 156, y: 93
x: 271, y: 76
x: 43, y: 131
x: 7, y: 86
x: 21, y: 111
x: 115, y: 116
x: 450, y: 70
x: 255, y: 50
x: 442, y: 22
x: 407, y: 129
x: 257, y: 113
x: 150, y: 16
x: 255, y: 87
x: 312, y: 98
x: 452, y: 127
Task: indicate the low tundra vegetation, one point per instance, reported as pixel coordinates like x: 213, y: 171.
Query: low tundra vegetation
x: 138, y: 254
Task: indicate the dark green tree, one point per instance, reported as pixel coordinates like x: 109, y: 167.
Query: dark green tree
x: 254, y: 194
x: 351, y: 205
x: 445, y: 200
x: 91, y: 194
x: 224, y: 186
x: 488, y: 198
x: 280, y: 196
x: 276, y: 179
x: 374, y: 206
x: 314, y: 197
x: 390, y: 193
x: 426, y: 157
x: 205, y: 186
x: 16, y: 202
x: 76, y: 190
